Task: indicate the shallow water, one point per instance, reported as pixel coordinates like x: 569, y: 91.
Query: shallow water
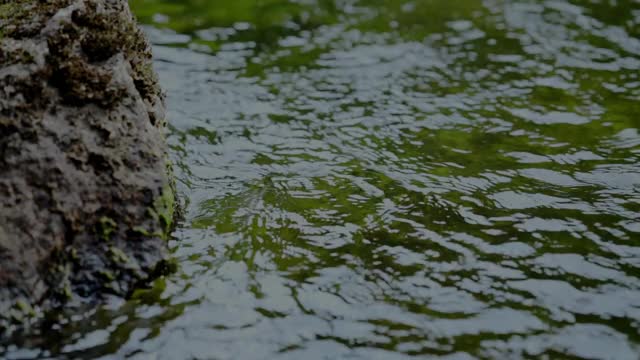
x: 387, y: 179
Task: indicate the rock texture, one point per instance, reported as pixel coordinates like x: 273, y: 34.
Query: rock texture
x: 86, y: 199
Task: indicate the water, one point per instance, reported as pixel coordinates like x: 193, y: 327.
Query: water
x: 387, y: 179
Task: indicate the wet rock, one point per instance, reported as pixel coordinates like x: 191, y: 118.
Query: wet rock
x: 86, y: 199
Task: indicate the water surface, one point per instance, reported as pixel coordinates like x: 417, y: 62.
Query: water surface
x: 391, y: 179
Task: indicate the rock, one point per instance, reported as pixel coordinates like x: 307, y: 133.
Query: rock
x: 86, y: 197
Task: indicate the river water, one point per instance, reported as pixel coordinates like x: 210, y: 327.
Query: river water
x: 390, y: 179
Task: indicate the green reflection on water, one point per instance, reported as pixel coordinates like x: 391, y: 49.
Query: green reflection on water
x: 414, y: 177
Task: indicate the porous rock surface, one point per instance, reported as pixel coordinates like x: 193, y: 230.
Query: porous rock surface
x: 86, y: 199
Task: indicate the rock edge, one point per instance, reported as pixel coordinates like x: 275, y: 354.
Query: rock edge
x: 86, y: 195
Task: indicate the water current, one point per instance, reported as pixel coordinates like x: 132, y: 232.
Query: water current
x: 390, y: 179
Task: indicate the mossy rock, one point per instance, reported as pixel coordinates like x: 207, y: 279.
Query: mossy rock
x: 82, y: 153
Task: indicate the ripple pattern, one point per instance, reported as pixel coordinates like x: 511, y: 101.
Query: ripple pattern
x: 402, y: 179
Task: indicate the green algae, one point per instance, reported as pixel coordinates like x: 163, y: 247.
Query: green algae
x: 106, y: 227
x: 165, y: 209
x: 11, y: 9
x: 118, y: 256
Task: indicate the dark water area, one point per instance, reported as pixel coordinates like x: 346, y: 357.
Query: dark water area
x: 389, y: 180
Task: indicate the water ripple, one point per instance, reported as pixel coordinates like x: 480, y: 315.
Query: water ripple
x: 368, y: 180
